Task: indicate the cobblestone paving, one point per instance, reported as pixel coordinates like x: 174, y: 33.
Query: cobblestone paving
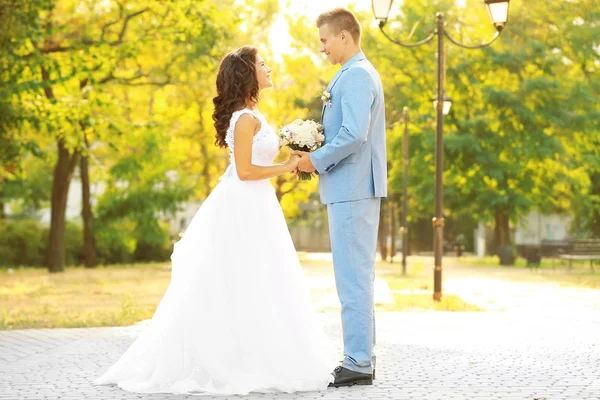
x: 421, y: 355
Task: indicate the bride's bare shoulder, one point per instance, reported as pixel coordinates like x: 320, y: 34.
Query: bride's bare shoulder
x: 247, y: 122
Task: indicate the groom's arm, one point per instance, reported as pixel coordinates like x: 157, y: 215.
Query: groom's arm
x: 358, y: 94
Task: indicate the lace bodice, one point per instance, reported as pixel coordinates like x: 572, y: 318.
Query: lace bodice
x: 265, y: 144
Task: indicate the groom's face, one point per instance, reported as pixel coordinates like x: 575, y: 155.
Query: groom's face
x: 331, y: 44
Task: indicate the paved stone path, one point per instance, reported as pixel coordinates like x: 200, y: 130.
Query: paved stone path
x: 429, y: 355
x: 517, y: 289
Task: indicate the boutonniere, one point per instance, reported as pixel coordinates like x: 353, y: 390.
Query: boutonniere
x: 326, y: 98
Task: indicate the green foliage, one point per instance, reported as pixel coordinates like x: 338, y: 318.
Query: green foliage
x: 114, y: 244
x: 153, y: 243
x: 519, y: 136
x: 29, y: 190
x: 24, y: 242
x: 18, y: 20
x: 144, y: 186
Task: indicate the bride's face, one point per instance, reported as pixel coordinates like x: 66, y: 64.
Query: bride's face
x: 331, y: 44
x: 263, y: 73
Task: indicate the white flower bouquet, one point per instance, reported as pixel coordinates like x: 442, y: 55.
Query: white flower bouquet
x: 303, y: 135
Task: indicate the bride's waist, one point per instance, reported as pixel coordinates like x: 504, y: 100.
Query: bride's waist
x: 231, y: 174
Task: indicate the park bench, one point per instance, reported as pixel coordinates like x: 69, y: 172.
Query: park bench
x: 581, y: 250
x: 553, y: 248
x: 533, y: 253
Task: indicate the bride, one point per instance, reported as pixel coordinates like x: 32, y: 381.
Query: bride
x: 237, y: 316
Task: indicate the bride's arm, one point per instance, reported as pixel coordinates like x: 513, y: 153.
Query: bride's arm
x: 242, y: 151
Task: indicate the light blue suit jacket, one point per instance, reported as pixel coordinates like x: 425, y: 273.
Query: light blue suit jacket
x: 352, y: 163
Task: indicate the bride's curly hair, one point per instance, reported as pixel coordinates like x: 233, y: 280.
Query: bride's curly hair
x: 236, y: 82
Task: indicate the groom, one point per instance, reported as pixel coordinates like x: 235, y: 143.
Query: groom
x: 352, y: 170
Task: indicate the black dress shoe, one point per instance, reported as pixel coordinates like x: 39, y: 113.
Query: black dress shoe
x: 346, y: 377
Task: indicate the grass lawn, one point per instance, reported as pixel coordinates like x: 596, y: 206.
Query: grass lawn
x: 580, y: 275
x: 414, y: 290
x: 125, y: 294
x: 80, y: 297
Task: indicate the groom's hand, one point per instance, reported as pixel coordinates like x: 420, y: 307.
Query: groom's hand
x: 305, y: 164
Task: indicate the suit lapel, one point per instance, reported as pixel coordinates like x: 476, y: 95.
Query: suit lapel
x: 330, y: 87
x: 359, y: 57
x: 335, y: 79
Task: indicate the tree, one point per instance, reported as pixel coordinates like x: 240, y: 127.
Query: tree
x: 505, y: 149
x: 18, y: 119
x: 83, y: 47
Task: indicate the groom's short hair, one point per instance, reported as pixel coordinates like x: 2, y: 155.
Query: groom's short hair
x: 340, y: 19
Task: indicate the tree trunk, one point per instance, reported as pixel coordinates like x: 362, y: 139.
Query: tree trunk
x: 504, y: 249
x: 596, y: 224
x: 383, y: 231
x: 502, y: 230
x: 63, y: 172
x: 89, y: 242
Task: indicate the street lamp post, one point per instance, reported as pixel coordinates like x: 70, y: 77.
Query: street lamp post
x: 498, y: 13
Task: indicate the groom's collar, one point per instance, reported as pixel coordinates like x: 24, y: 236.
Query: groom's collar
x: 355, y: 58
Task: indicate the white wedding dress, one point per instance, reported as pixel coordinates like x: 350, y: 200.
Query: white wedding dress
x: 237, y: 316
